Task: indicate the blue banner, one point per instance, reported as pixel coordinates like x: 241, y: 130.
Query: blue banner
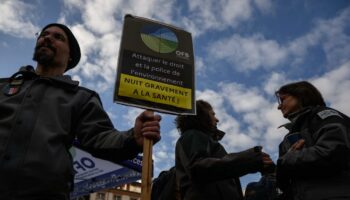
x: 94, y: 174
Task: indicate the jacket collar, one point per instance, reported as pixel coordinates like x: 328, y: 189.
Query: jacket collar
x: 28, y: 72
x: 215, y: 133
x: 65, y: 80
x: 293, y: 117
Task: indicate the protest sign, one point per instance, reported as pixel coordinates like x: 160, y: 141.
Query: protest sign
x: 155, y: 67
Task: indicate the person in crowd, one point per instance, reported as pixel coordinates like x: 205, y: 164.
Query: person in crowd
x: 204, y: 170
x: 43, y: 111
x: 314, y: 157
x: 264, y: 189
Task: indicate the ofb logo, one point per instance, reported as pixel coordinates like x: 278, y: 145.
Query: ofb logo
x: 159, y: 38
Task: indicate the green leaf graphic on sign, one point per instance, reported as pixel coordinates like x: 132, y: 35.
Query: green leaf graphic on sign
x: 159, y: 39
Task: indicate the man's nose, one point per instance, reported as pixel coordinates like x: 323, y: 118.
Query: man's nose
x: 48, y: 37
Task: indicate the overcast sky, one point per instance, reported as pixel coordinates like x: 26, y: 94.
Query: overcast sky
x: 244, y: 51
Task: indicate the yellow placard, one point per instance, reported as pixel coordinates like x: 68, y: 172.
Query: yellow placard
x: 144, y: 89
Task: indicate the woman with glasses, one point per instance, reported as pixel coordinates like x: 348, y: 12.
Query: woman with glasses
x: 314, y: 157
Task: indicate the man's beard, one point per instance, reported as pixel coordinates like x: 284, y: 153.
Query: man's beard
x: 43, y: 57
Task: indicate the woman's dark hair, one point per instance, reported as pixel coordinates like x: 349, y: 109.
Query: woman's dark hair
x: 305, y: 92
x: 200, y: 121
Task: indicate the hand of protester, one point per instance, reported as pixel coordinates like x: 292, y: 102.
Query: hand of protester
x: 297, y: 145
x: 147, y: 125
x: 268, y: 164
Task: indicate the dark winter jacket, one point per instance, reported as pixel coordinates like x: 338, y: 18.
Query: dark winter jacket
x: 206, y: 171
x: 321, y: 169
x: 39, y: 118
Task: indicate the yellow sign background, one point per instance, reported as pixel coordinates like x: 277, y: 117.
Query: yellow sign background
x: 144, y: 89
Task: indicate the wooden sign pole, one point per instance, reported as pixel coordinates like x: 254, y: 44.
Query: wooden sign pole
x: 146, y: 181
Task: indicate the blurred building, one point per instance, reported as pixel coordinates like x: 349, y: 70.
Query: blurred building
x: 130, y: 191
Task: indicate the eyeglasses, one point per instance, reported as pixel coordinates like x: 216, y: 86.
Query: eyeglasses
x: 281, y: 98
x: 56, y: 36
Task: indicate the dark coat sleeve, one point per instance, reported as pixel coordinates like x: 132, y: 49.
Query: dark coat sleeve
x: 97, y: 135
x: 206, y: 160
